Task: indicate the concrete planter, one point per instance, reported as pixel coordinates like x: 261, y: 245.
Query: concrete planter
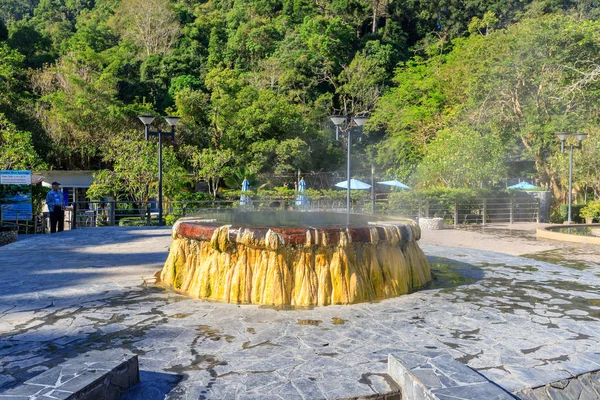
x: 431, y: 224
x: 8, y: 234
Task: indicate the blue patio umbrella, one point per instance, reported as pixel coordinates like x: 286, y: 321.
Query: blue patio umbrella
x: 523, y: 186
x: 245, y: 199
x: 395, y: 183
x: 355, y: 184
x: 302, y: 185
x: 301, y: 198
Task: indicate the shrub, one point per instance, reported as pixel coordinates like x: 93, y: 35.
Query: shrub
x: 591, y: 210
x: 555, y: 216
x: 134, y: 221
x: 575, y: 212
x: 171, y: 219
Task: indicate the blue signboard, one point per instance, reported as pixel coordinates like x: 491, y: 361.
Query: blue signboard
x: 15, y: 195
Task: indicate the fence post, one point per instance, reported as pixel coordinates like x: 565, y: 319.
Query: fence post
x: 455, y: 213
x: 427, y: 208
x: 512, y: 211
x: 148, y: 215
x: 73, y: 216
x: 184, y: 208
x: 484, y: 211
x: 420, y: 206
x: 537, y: 216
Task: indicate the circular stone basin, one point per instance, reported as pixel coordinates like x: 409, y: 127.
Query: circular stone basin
x: 294, y: 258
x: 572, y: 233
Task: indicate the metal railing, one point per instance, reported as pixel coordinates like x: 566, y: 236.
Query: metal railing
x: 26, y: 222
x: 129, y: 213
x: 467, y: 211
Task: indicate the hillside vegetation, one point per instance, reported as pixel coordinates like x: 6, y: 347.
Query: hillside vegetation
x: 461, y: 93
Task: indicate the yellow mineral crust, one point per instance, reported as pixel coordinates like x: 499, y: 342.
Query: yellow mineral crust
x: 249, y: 268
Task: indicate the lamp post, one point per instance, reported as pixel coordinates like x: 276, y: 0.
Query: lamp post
x: 563, y: 136
x: 172, y: 121
x: 343, y: 126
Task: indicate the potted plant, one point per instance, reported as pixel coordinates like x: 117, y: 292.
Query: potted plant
x: 591, y: 211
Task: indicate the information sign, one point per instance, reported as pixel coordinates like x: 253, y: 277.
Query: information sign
x: 15, y: 195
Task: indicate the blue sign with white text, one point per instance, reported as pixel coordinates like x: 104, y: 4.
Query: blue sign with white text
x: 15, y: 195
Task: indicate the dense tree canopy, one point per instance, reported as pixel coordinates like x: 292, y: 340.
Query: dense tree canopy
x: 513, y: 89
x: 458, y: 91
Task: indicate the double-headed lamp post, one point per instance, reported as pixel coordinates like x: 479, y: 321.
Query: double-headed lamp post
x: 563, y: 136
x: 172, y: 121
x: 343, y: 126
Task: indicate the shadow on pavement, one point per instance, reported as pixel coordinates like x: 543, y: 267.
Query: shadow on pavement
x: 152, y: 386
x: 449, y: 273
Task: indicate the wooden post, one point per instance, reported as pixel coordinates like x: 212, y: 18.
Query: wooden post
x: 420, y: 206
x: 455, y: 213
x: 484, y: 211
x: 148, y: 215
x: 73, y: 216
x: 537, y: 217
x: 112, y: 212
x: 372, y: 189
x: 427, y: 208
x: 512, y: 211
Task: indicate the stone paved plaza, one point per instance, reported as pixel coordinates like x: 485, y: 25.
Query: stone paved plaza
x: 522, y: 322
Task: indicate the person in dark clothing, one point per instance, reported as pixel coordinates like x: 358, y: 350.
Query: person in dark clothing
x: 56, y: 207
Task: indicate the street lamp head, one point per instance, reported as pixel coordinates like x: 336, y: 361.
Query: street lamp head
x: 146, y: 118
x: 337, y: 119
x: 562, y: 136
x: 360, y: 121
x: 173, y: 121
x: 580, y: 136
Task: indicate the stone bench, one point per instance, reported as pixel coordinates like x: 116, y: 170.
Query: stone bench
x: 8, y: 234
x: 438, y: 376
x: 95, y: 375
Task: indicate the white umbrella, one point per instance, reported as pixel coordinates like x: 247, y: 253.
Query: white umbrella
x: 355, y: 184
x: 395, y: 183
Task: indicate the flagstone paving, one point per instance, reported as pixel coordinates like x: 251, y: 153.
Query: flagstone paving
x: 520, y: 322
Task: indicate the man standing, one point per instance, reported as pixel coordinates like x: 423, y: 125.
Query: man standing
x: 56, y: 203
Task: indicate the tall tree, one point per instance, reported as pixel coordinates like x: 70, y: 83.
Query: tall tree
x: 16, y: 148
x: 151, y: 24
x: 79, y: 110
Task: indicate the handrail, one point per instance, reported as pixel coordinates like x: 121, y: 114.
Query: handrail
x: 115, y: 212
x: 25, y: 220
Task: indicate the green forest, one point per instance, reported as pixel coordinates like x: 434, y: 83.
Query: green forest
x: 460, y: 93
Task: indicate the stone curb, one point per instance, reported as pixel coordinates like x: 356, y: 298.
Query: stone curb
x: 92, y: 376
x: 438, y: 376
x: 582, y: 387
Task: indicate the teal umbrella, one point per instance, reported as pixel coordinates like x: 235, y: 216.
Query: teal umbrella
x: 523, y: 186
